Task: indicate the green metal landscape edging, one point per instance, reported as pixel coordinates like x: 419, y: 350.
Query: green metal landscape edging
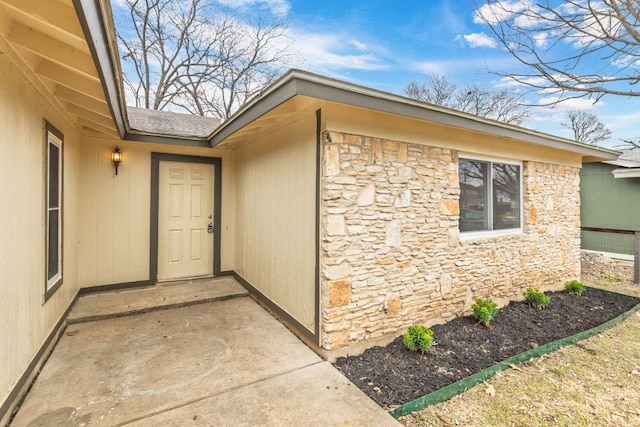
x: 458, y: 387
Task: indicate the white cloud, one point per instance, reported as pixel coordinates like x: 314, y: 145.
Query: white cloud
x: 541, y: 39
x: 277, y: 7
x: 480, y: 40
x: 358, y: 44
x: 499, y: 11
x: 624, y: 124
x: 431, y: 67
x: 570, y: 104
x: 525, y: 82
x: 327, y: 53
x: 624, y: 61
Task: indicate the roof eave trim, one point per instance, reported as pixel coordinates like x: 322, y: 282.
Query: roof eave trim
x: 166, y: 139
x: 296, y: 82
x: 624, y: 163
x: 93, y: 25
x: 389, y: 103
x: 626, y: 173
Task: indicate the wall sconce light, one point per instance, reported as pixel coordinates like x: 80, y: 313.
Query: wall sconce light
x: 116, y: 158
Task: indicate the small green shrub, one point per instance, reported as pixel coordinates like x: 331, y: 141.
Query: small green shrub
x: 484, y: 310
x: 574, y: 287
x: 536, y: 298
x: 418, y: 337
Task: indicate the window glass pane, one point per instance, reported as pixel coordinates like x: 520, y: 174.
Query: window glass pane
x: 506, y: 196
x: 53, y: 245
x: 54, y: 172
x: 473, y: 195
x: 53, y: 210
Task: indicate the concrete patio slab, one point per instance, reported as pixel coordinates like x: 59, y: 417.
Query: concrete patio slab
x: 314, y: 395
x: 224, y: 363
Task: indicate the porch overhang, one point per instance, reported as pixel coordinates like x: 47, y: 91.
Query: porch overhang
x: 305, y: 88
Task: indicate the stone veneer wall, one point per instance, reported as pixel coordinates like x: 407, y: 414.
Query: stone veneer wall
x: 391, y: 253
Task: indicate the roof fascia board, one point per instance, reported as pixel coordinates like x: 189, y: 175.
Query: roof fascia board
x: 190, y: 142
x: 626, y: 173
x: 624, y: 163
x: 93, y: 25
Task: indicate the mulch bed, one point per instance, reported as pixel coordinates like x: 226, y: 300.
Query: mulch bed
x: 393, y: 375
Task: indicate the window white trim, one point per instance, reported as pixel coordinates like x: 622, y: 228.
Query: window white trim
x: 480, y: 234
x: 53, y: 276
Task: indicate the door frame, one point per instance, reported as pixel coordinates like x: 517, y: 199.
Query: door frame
x: 156, y: 158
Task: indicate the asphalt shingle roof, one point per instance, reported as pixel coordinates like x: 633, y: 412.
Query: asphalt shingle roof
x: 170, y: 123
x: 631, y: 155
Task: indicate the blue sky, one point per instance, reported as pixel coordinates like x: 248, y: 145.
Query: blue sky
x: 386, y: 44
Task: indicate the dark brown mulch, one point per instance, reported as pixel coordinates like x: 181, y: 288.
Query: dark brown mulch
x: 393, y: 375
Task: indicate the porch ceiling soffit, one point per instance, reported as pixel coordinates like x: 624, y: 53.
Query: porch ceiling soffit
x: 49, y: 46
x: 274, y: 118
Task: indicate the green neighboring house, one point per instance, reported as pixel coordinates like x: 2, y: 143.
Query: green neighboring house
x: 610, y: 194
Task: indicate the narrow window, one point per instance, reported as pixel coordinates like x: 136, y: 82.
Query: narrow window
x: 53, y: 214
x: 489, y: 195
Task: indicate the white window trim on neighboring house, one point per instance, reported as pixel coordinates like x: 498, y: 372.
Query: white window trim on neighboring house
x: 490, y: 232
x: 53, y: 209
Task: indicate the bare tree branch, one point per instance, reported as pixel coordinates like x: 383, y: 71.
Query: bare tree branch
x: 498, y: 105
x: 539, y: 35
x: 629, y: 144
x: 438, y: 90
x: 586, y: 127
x: 187, y: 54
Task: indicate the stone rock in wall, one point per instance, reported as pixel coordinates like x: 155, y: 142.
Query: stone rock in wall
x: 445, y: 284
x: 393, y: 305
x: 393, y: 234
x: 339, y: 293
x: 449, y: 207
x: 331, y: 160
x: 367, y: 195
x: 335, y: 225
x: 403, y: 199
x: 336, y: 272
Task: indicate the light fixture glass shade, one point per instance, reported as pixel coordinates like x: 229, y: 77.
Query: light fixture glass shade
x: 116, y: 158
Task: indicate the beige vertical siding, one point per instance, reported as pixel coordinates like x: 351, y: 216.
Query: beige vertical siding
x: 115, y: 210
x: 105, y: 224
x: 275, y: 245
x: 25, y: 318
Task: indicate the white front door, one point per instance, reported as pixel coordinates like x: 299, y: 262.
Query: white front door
x: 185, y: 210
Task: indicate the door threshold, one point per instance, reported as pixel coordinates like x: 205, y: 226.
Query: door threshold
x: 184, y: 280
